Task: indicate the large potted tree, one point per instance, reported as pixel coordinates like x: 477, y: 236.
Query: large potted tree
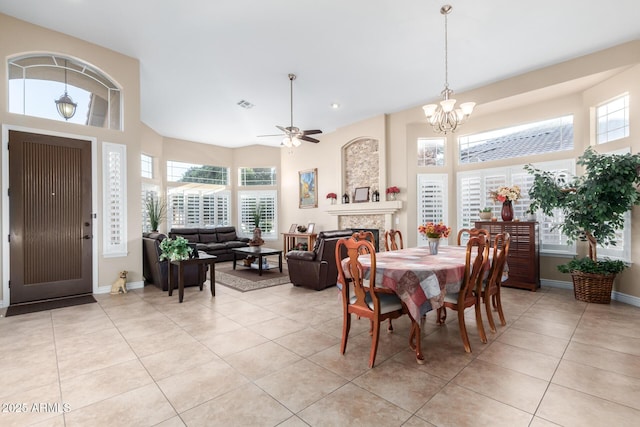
x: 593, y: 206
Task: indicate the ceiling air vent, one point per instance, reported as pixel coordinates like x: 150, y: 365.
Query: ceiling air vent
x: 245, y: 104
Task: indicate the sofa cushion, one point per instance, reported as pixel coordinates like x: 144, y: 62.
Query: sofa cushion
x: 210, y: 247
x: 191, y: 234
x: 208, y: 236
x: 227, y: 236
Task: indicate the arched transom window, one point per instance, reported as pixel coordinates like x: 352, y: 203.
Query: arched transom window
x: 36, y: 82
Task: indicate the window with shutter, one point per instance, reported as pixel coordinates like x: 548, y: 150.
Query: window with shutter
x: 432, y: 201
x: 149, y: 192
x: 198, y: 208
x: 114, y: 170
x: 473, y: 193
x: 268, y: 202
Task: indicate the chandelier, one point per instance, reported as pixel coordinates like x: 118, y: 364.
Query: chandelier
x: 66, y: 106
x: 445, y: 117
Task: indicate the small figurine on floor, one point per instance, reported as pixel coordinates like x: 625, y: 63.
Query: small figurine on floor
x: 120, y: 284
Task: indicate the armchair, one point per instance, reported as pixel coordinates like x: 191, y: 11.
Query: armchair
x: 316, y: 269
x: 157, y: 272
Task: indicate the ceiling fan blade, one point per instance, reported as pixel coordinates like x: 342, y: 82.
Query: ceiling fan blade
x: 309, y: 139
x: 311, y: 132
x: 277, y: 134
x: 283, y: 129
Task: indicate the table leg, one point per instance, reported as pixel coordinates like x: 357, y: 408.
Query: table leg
x: 212, y: 278
x: 180, y: 282
x: 234, y: 260
x: 280, y: 261
x: 170, y: 279
x: 260, y: 265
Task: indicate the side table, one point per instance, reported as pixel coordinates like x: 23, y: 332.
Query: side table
x: 202, y: 259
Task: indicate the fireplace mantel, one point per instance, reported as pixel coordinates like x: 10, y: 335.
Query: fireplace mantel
x: 387, y: 209
x: 370, y: 208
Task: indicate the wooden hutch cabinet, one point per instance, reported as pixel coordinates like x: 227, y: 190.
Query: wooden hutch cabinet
x: 524, y: 251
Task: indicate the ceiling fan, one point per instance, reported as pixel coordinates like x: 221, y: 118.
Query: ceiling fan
x: 292, y: 134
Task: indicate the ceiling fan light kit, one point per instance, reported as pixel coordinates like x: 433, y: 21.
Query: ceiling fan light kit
x: 445, y: 117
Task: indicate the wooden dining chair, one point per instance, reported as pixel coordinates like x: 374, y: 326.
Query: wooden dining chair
x: 469, y: 294
x: 493, y: 283
x: 393, y: 240
x: 360, y: 296
x: 473, y: 232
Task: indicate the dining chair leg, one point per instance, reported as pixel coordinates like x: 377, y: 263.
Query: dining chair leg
x: 499, y: 308
x: 390, y: 328
x: 374, y: 343
x: 346, y: 325
x: 487, y: 305
x: 441, y: 316
x: 463, y: 331
x: 478, y: 309
x: 414, y: 341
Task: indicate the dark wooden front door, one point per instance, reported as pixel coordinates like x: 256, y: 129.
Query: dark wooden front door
x: 50, y: 217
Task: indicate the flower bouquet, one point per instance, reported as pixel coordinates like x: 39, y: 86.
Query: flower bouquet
x: 434, y: 231
x: 393, y: 190
x: 332, y: 196
x: 505, y: 194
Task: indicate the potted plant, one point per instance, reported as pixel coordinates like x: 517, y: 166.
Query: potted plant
x: 175, y: 249
x: 486, y: 213
x: 593, y: 205
x: 156, y: 210
x: 257, y: 232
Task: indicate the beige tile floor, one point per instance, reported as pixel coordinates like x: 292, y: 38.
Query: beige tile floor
x: 271, y: 358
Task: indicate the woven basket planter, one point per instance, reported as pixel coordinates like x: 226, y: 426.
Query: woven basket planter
x: 595, y: 288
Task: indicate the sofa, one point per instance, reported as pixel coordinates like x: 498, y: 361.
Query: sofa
x: 216, y: 241
x: 156, y: 272
x: 316, y: 269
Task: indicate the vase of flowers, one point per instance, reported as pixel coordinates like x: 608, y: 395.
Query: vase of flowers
x: 332, y: 197
x: 434, y: 233
x: 506, y: 195
x: 392, y: 191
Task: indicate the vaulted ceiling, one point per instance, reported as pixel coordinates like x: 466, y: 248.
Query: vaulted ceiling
x: 200, y: 58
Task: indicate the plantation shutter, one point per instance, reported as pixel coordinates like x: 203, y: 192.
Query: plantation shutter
x: 149, y: 192
x: 471, y: 199
x: 248, y: 200
x: 432, y: 201
x: 114, y: 170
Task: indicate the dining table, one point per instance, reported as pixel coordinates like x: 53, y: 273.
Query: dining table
x: 421, y: 280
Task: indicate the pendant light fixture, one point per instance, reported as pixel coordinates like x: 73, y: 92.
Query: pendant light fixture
x: 445, y: 117
x: 66, y: 106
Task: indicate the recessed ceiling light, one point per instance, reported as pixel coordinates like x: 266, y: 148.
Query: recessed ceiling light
x: 335, y: 105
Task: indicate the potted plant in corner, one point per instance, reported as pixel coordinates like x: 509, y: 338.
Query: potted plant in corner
x: 156, y: 210
x: 594, y: 206
x: 257, y: 232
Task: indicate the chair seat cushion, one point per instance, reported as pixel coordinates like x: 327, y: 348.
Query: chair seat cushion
x: 388, y: 302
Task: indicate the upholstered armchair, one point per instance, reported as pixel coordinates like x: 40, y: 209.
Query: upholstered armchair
x: 316, y: 269
x: 157, y: 272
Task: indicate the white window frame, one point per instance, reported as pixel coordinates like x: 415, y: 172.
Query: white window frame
x: 146, y: 166
x: 432, y: 201
x: 114, y: 200
x: 242, y: 182
x: 436, y: 146
x: 245, y: 219
x: 603, y: 114
x: 193, y: 215
x: 552, y: 242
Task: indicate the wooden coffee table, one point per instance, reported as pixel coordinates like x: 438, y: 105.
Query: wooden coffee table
x: 258, y: 252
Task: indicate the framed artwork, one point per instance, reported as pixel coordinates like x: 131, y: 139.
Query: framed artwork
x: 361, y: 195
x: 292, y: 229
x: 308, y: 188
x: 310, y: 227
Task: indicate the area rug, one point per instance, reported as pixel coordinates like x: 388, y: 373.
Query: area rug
x: 14, y: 310
x: 244, y: 279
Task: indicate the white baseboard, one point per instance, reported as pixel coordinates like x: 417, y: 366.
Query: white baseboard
x: 615, y: 295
